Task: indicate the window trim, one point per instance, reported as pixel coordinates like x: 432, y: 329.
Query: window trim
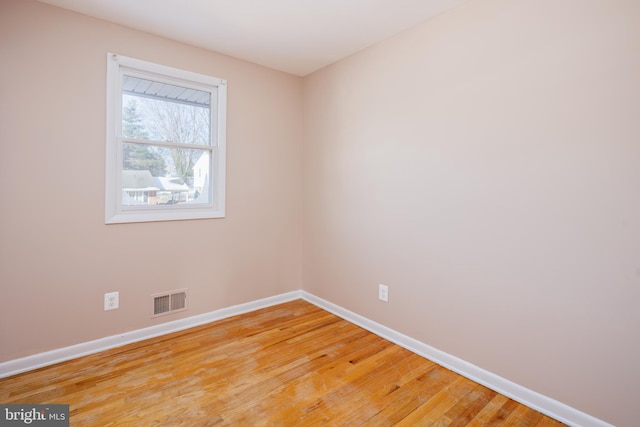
x: 115, y: 213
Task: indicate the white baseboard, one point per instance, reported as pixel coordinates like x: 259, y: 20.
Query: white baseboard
x: 530, y: 398
x: 35, y: 361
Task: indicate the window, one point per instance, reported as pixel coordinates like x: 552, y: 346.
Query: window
x: 166, y: 136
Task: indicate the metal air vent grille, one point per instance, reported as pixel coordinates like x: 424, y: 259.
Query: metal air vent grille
x: 169, y: 302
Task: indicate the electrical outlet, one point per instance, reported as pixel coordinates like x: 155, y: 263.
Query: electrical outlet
x: 383, y: 293
x: 111, y: 300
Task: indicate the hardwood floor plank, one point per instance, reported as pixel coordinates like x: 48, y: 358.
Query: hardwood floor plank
x: 488, y: 411
x: 501, y: 415
x: 355, y: 396
x: 466, y: 409
x: 405, y: 400
x: 523, y: 416
x: 291, y: 364
x: 547, y: 422
x: 439, y: 404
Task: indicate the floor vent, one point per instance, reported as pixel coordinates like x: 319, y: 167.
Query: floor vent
x: 169, y: 302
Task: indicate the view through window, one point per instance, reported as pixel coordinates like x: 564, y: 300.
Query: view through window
x: 164, y: 119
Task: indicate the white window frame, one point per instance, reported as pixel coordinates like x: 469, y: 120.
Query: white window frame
x: 117, y: 66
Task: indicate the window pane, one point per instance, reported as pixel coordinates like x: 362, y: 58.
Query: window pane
x: 164, y: 112
x: 154, y: 175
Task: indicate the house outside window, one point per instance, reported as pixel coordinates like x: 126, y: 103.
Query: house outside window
x: 166, y: 140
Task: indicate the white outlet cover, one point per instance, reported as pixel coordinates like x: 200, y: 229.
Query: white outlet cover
x: 111, y: 300
x: 383, y: 293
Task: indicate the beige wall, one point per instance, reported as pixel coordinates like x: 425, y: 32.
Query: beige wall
x: 486, y: 166
x: 57, y: 256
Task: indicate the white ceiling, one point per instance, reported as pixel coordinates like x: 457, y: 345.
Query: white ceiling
x: 296, y: 36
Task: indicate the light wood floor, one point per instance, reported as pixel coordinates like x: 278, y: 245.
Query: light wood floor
x: 292, y: 364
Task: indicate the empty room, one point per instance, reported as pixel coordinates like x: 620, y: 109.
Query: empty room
x: 345, y: 213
